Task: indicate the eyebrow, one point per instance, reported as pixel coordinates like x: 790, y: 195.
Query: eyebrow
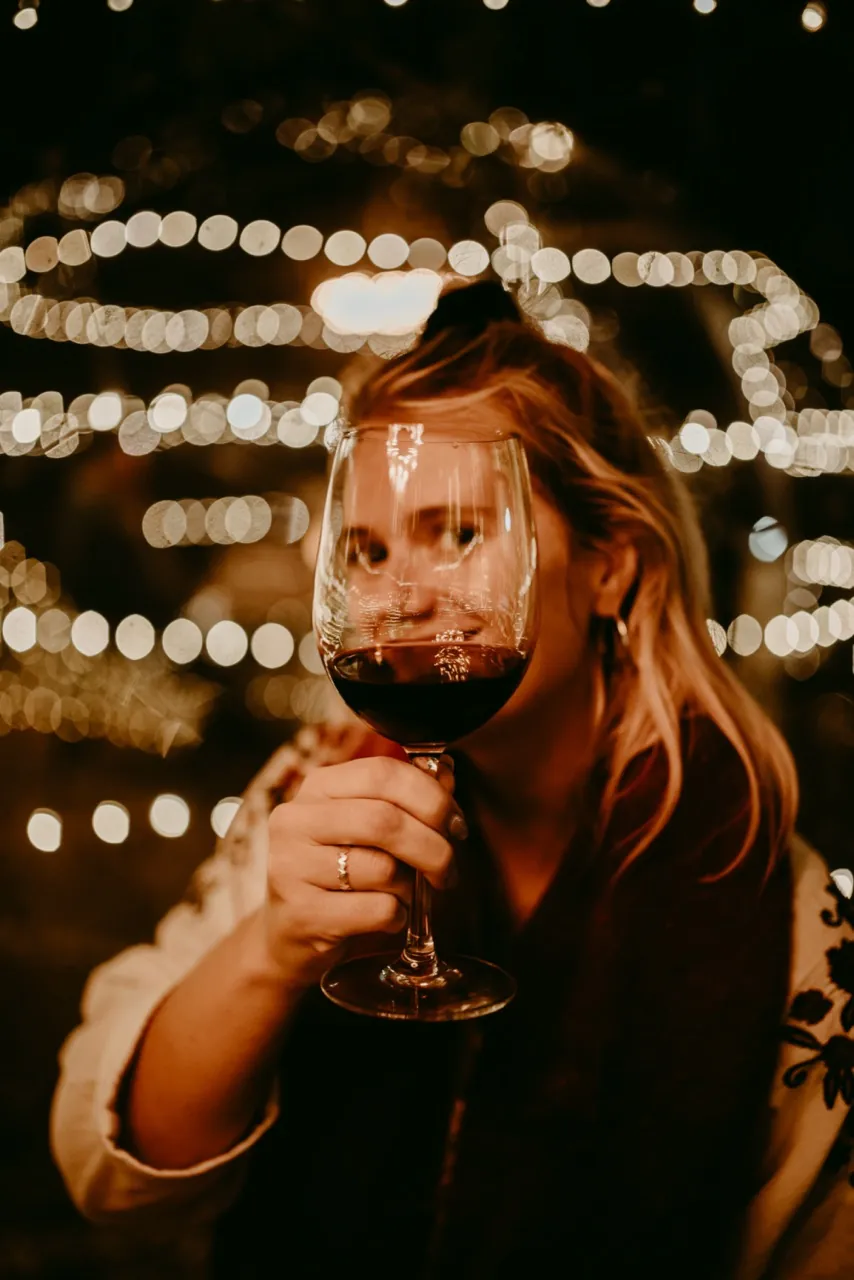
x: 422, y: 516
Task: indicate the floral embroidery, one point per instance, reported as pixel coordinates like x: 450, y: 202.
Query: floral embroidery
x: 836, y: 1054
x: 810, y: 1007
x: 841, y: 964
x: 844, y: 909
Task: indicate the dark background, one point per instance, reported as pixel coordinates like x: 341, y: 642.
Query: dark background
x: 724, y: 131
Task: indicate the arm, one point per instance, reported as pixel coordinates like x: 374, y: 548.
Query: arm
x: 204, y: 959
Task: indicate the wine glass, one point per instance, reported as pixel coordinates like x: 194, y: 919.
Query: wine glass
x: 425, y: 614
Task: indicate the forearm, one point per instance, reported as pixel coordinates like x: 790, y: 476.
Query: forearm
x: 206, y: 1061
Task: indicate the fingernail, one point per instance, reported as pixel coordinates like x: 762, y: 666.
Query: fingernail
x: 457, y: 827
x: 448, y: 762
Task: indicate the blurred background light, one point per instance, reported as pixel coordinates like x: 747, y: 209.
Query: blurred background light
x: 44, y: 830
x: 169, y: 816
x: 111, y: 822
x: 768, y: 539
x: 272, y: 645
x: 814, y: 16
x: 226, y: 643
x: 90, y: 633
x: 223, y: 814
x: 135, y: 637
x: 182, y: 641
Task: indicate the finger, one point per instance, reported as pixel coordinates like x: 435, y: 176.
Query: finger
x: 368, y: 870
x: 345, y: 915
x: 394, y: 781
x: 274, y: 771
x: 374, y: 824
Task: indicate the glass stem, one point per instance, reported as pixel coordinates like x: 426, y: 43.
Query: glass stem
x: 419, y: 952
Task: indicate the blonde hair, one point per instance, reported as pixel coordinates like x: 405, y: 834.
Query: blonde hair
x: 589, y: 449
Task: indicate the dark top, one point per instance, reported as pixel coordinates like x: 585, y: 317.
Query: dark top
x: 611, y: 1120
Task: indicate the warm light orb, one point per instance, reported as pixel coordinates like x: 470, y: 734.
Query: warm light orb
x: 814, y: 16
x: 26, y: 426
x: 223, y: 814
x: 143, y: 229
x: 135, y: 637
x: 496, y: 4
x: 260, y: 238
x: 345, y: 248
x: 169, y: 816
x: 468, y: 257
x: 24, y: 19
x: 105, y: 411
x: 272, y: 645
x: 111, y: 822
x: 119, y: 6
x: 309, y: 655
x: 388, y: 251
x: 44, y: 829
x: 177, y: 229
x: 19, y: 629
x: 226, y: 643
x: 768, y: 540
x: 320, y: 408
x: 217, y: 232
x: 302, y: 242
x: 705, y: 6
x: 182, y: 641
x: 90, y: 633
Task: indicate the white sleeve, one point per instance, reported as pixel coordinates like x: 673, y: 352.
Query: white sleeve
x: 120, y: 997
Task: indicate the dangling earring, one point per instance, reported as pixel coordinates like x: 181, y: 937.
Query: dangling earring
x: 622, y: 630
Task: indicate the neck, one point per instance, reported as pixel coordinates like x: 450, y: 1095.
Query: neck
x: 529, y: 774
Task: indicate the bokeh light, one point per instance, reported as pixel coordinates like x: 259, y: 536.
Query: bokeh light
x: 135, y: 637
x: 111, y: 822
x: 182, y: 641
x: 223, y: 814
x: 226, y: 643
x: 814, y: 16
x: 19, y: 629
x: 309, y: 655
x: 169, y: 816
x: 768, y: 540
x: 302, y: 242
x: 272, y: 645
x: 44, y: 830
x: 345, y: 248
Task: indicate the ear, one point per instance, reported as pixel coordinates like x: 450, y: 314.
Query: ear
x: 612, y: 574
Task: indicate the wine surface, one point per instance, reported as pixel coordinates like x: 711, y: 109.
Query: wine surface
x: 427, y: 694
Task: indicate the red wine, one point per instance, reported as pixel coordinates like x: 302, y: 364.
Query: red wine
x: 427, y: 694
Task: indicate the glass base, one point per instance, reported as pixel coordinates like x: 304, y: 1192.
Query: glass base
x: 467, y: 988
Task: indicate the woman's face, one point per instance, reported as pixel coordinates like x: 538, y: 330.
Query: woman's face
x: 439, y: 557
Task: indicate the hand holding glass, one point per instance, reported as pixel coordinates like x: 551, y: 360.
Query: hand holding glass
x: 425, y: 614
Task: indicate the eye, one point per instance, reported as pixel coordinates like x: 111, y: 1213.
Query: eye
x: 462, y: 536
x: 371, y: 554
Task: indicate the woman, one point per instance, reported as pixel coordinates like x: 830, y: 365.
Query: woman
x: 620, y: 837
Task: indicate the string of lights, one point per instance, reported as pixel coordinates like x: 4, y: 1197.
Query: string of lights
x: 813, y: 17
x: 168, y: 816
x: 43, y: 426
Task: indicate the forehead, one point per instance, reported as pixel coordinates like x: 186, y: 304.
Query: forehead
x: 405, y: 473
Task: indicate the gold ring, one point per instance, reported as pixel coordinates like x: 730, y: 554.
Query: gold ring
x: 343, y: 871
